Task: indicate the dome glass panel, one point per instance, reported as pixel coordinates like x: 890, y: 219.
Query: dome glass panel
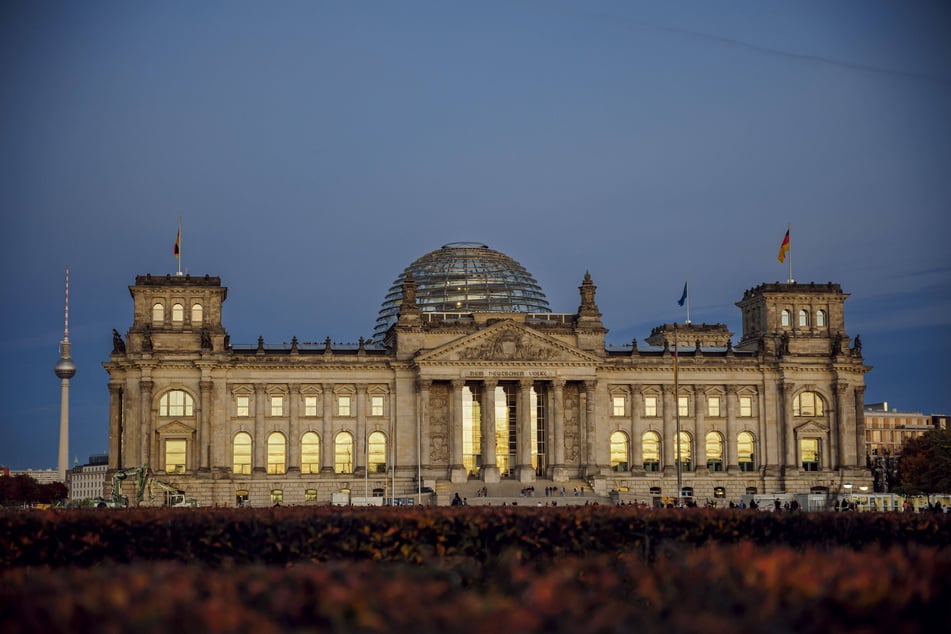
x: 465, y: 277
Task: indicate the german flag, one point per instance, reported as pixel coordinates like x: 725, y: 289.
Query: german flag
x: 783, y: 248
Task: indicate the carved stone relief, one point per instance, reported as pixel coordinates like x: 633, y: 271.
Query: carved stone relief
x: 439, y: 424
x: 509, y: 345
x: 572, y: 423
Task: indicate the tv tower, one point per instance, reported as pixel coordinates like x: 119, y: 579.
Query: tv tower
x: 65, y: 370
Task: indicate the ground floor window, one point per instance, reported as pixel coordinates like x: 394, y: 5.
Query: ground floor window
x: 241, y: 497
x: 277, y: 496
x: 719, y: 493
x: 809, y: 449
x: 310, y: 495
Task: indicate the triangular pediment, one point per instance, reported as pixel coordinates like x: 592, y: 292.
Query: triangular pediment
x: 507, y: 341
x: 175, y: 427
x: 812, y: 427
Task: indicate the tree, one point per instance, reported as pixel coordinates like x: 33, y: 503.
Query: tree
x: 925, y: 465
x: 22, y: 489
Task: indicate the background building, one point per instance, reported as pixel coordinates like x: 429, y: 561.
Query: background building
x: 87, y: 482
x: 471, y: 383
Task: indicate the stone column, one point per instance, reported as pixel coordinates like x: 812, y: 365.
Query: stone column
x: 860, y: 448
x: 293, y: 441
x: 637, y: 449
x: 590, y: 411
x: 698, y: 432
x: 148, y: 425
x: 490, y: 469
x: 457, y: 469
x: 526, y: 473
x: 843, y: 421
x: 205, y: 440
x: 116, y: 447
x: 327, y: 435
x: 732, y: 406
x: 360, y: 442
x: 787, y: 433
x: 669, y: 402
x: 424, y: 385
x: 559, y: 471
x: 260, y: 442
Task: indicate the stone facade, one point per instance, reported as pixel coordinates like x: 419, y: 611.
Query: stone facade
x: 537, y: 399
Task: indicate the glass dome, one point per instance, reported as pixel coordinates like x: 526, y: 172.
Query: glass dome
x: 465, y: 277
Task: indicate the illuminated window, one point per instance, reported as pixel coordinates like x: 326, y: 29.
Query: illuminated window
x: 310, y: 453
x: 713, y: 406
x: 276, y: 452
x: 176, y: 403
x: 178, y: 313
x: 821, y: 318
x: 241, y: 453
x: 786, y: 318
x: 343, y: 406
x: 175, y: 455
x: 686, y: 455
x: 241, y: 497
x: 714, y: 451
x: 619, y: 451
x: 196, y: 314
x: 617, y: 406
x: 158, y: 314
x: 343, y: 453
x: 376, y: 452
x: 376, y: 406
x: 803, y: 318
x: 310, y: 406
x: 719, y: 493
x: 808, y: 404
x: 277, y: 405
x: 277, y: 496
x: 242, y: 406
x: 809, y: 448
x: 746, y: 406
x: 650, y: 446
x: 745, y: 452
x: 310, y: 495
x: 683, y: 405
x: 650, y: 406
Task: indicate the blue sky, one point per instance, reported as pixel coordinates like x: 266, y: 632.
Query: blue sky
x: 314, y: 149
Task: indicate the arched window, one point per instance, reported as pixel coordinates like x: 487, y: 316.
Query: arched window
x: 650, y: 446
x: 176, y: 403
x: 620, y: 451
x: 714, y: 451
x: 745, y: 453
x: 276, y: 453
x: 178, y: 313
x: 786, y: 318
x: 808, y: 404
x: 376, y: 452
x: 158, y: 313
x: 821, y: 318
x: 241, y: 453
x: 803, y: 318
x: 343, y: 453
x: 686, y: 456
x: 197, y: 314
x: 310, y: 453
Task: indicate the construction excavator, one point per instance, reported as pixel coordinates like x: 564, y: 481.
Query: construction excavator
x: 144, y: 482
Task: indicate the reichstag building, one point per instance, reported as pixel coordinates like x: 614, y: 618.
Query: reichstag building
x: 471, y: 383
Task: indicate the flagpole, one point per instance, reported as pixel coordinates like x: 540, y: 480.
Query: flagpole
x: 789, y: 231
x: 688, y: 300
x: 179, y: 244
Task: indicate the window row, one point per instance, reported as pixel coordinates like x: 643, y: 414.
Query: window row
x: 804, y: 404
x: 181, y: 403
x: 716, y: 406
x: 821, y: 319
x: 651, y: 454
x: 713, y: 452
x: 178, y: 313
x: 276, y: 453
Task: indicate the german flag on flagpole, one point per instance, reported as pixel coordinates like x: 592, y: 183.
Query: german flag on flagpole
x: 783, y: 248
x: 177, y: 251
